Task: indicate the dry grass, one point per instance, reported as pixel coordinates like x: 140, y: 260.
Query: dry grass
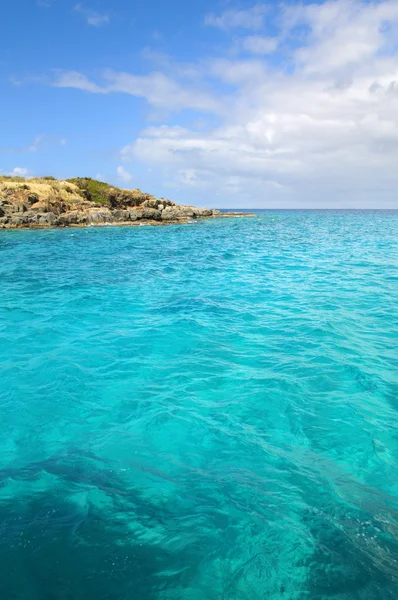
x: 45, y: 190
x: 73, y: 193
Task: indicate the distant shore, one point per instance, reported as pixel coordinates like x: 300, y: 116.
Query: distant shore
x: 46, y: 202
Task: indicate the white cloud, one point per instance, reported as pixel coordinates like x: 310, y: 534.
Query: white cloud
x: 19, y: 172
x: 124, y: 175
x: 258, y: 44
x: 93, y: 18
x: 323, y: 132
x: 159, y: 90
x: 73, y: 79
x: 252, y: 18
x: 314, y: 125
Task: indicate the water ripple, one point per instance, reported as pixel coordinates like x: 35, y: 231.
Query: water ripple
x: 203, y: 412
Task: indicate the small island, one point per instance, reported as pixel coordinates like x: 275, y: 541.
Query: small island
x: 47, y: 202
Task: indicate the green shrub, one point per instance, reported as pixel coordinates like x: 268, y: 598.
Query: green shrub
x: 91, y: 189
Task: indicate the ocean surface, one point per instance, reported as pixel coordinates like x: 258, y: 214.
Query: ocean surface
x: 201, y: 412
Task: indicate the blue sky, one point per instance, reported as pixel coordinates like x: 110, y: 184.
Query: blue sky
x: 213, y: 103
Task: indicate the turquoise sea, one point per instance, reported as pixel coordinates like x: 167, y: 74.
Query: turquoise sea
x: 201, y: 412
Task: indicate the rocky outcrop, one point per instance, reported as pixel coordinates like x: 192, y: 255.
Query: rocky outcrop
x: 85, y: 202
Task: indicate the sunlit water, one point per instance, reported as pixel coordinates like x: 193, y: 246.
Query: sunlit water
x: 203, y: 411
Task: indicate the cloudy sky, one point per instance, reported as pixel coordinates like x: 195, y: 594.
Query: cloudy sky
x: 229, y: 104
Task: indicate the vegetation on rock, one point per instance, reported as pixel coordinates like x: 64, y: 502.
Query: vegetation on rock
x: 48, y: 202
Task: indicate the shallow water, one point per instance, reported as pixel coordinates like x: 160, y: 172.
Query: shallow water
x: 203, y: 411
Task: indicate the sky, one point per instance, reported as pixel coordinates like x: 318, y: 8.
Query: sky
x: 214, y: 103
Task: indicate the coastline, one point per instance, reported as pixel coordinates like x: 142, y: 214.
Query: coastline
x: 47, y: 203
x: 124, y: 223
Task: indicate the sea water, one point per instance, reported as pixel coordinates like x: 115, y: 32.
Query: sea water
x: 201, y: 412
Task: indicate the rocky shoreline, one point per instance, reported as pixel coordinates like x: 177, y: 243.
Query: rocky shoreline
x: 49, y: 203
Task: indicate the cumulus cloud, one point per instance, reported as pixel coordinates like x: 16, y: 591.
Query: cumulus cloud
x: 123, y: 174
x: 314, y: 125
x: 92, y: 17
x: 320, y: 129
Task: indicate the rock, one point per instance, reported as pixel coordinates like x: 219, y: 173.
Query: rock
x: 17, y: 220
x: 174, y: 213
x: 134, y: 215
x: 69, y: 218
x: 161, y: 207
x: 32, y: 199
x: 151, y: 203
x: 37, y: 208
x: 124, y: 198
x: 216, y: 212
x: 30, y: 217
x: 121, y: 215
x: 4, y: 220
x: 145, y: 213
x: 151, y: 213
x: 48, y: 218
x: 101, y: 216
x: 2, y: 212
x: 202, y: 212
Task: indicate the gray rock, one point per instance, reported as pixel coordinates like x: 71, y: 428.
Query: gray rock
x: 100, y: 217
x: 216, y: 212
x: 17, y: 220
x: 70, y: 218
x: 151, y: 213
x: 151, y: 203
x: 161, y: 207
x: 48, y: 218
x: 174, y: 213
x: 202, y: 212
x: 134, y: 215
x: 121, y: 215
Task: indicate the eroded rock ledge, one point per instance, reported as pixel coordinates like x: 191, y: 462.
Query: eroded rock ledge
x: 47, y: 202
